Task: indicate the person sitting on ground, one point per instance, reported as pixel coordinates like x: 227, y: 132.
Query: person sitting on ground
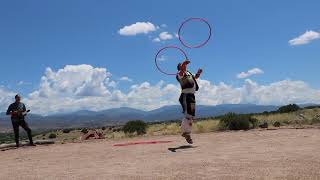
x: 92, y: 134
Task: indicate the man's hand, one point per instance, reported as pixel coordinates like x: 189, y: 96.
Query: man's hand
x: 186, y: 62
x: 14, y: 113
x: 183, y: 67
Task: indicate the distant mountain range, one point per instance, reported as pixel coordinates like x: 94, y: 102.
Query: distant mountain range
x: 116, y: 116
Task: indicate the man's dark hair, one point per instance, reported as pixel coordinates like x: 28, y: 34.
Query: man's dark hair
x: 178, y: 66
x: 16, y: 96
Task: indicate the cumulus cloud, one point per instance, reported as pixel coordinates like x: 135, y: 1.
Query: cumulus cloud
x: 163, y: 36
x: 277, y: 93
x: 156, y: 39
x: 77, y: 87
x: 253, y: 71
x: 305, y: 38
x: 6, y: 98
x: 125, y: 78
x: 137, y: 28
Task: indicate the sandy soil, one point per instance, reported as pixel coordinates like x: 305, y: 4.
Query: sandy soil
x: 273, y: 154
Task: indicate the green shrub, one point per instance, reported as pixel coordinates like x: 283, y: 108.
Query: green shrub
x: 289, y: 108
x: 52, y: 136
x: 84, y: 130
x: 264, y: 125
x: 232, y: 121
x: 276, y: 124
x: 66, y: 130
x: 137, y: 126
x: 103, y: 128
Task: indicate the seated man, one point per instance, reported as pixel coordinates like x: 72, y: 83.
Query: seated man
x: 92, y: 134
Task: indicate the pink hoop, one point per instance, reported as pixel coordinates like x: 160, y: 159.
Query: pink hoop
x: 199, y: 45
x: 167, y: 47
x: 142, y: 142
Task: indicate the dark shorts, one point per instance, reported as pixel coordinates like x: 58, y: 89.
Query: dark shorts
x: 188, y: 103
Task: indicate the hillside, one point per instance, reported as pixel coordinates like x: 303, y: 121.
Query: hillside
x: 121, y: 115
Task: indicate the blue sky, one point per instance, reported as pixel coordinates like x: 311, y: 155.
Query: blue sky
x: 37, y: 34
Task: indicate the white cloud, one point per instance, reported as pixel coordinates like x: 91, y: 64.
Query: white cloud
x: 77, y: 87
x: 21, y: 83
x: 164, y: 25
x: 156, y: 39
x: 112, y: 84
x: 278, y: 93
x: 162, y: 58
x: 163, y: 36
x: 137, y: 28
x: 249, y: 73
x: 125, y: 78
x: 305, y: 38
x: 6, y: 98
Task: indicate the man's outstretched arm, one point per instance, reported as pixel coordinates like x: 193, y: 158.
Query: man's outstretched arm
x: 198, y: 73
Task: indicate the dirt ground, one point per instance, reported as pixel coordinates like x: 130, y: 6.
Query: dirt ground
x: 256, y: 154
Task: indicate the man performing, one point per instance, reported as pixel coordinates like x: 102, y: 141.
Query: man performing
x: 187, y: 99
x: 18, y: 111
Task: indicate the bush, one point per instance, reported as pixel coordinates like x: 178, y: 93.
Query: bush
x: 234, y: 121
x: 84, y: 130
x: 52, y: 136
x: 276, y: 124
x: 137, y: 126
x: 103, y: 128
x: 66, y: 130
x: 289, y: 108
x: 264, y: 125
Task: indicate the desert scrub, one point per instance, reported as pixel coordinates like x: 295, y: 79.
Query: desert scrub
x: 137, y: 126
x: 205, y: 126
x: 116, y: 135
x: 84, y: 130
x: 300, y: 117
x: 164, y: 129
x: 52, y: 136
x: 66, y: 131
x: 232, y: 121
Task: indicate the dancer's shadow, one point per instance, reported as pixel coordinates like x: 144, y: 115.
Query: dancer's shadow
x: 181, y: 147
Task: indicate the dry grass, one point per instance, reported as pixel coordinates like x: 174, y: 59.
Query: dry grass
x: 301, y: 117
x: 174, y: 128
x: 72, y: 136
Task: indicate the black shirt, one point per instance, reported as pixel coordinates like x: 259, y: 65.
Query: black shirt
x: 20, y: 107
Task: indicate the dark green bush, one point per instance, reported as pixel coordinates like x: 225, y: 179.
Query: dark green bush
x: 264, y: 125
x: 84, y: 130
x: 137, y: 126
x: 276, y: 124
x: 52, y: 136
x: 103, y: 128
x: 289, y: 108
x: 232, y: 121
x: 66, y: 130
